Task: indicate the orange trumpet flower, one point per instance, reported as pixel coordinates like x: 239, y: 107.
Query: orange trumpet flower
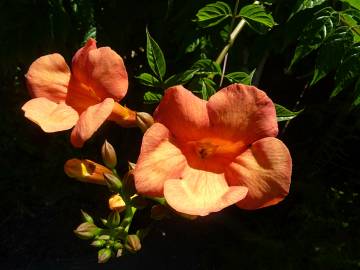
x: 84, y: 97
x: 203, y: 156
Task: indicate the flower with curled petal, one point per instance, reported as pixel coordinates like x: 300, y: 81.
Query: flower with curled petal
x: 84, y: 97
x: 203, y: 156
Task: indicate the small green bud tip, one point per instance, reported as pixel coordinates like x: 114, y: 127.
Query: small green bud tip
x: 104, y: 255
x: 133, y: 243
x: 109, y: 155
x: 98, y: 243
x: 86, y: 217
x: 113, y: 183
x: 144, y: 120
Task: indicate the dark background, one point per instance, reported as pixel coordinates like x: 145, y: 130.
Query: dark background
x: 315, y: 227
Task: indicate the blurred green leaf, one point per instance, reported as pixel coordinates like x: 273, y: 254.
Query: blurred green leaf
x: 256, y: 14
x: 283, y: 114
x: 208, y: 88
x: 148, y: 80
x: 351, y: 17
x: 315, y: 32
x: 240, y: 77
x: 305, y: 4
x: 353, y: 3
x: 356, y: 101
x: 155, y: 57
x: 331, y: 52
x: 90, y: 34
x: 213, y: 14
x: 152, y: 97
x: 348, y: 71
x: 180, y: 78
x: 206, y: 66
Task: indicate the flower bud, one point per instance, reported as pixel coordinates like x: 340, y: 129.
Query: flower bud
x: 86, y: 171
x: 116, y: 203
x: 87, y: 230
x: 123, y: 116
x: 113, y: 219
x: 108, y: 155
x: 144, y: 120
x: 104, y: 255
x: 133, y: 243
x: 98, y: 243
x: 113, y: 183
x: 86, y: 217
x: 119, y: 252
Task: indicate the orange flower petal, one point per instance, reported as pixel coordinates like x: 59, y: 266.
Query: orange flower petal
x: 265, y: 168
x: 201, y: 192
x: 48, y: 77
x: 159, y: 160
x: 50, y: 116
x: 242, y: 113
x: 90, y: 120
x: 183, y: 113
x: 102, y: 70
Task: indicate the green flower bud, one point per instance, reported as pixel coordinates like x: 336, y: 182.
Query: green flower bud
x: 113, y: 183
x: 113, y: 219
x: 104, y: 255
x: 86, y: 217
x: 109, y: 155
x: 98, y: 243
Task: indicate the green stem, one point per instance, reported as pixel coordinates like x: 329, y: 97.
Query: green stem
x: 129, y: 215
x: 232, y: 38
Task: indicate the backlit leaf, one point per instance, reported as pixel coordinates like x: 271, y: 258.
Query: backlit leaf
x: 240, y: 77
x: 213, y: 14
x: 254, y: 14
x: 283, y: 114
x: 155, y: 57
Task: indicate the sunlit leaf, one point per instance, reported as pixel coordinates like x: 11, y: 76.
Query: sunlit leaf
x: 152, y: 97
x: 155, y: 57
x: 213, y: 14
x: 348, y: 71
x: 331, y: 52
x: 315, y: 33
x: 256, y: 14
x: 305, y: 4
x: 208, y: 88
x: 283, y: 114
x: 148, y: 80
x: 351, y: 17
x: 240, y: 77
x: 353, y: 3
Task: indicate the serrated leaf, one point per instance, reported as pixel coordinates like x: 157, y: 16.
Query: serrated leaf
x: 152, y: 97
x: 148, y: 80
x: 305, y: 4
x: 213, y: 14
x: 206, y: 66
x: 257, y: 14
x: 240, y: 77
x: 180, y: 78
x: 283, y: 114
x: 353, y: 3
x: 348, y: 71
x: 331, y: 52
x: 155, y: 57
x: 314, y: 34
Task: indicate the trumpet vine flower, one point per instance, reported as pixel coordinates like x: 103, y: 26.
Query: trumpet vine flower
x: 84, y: 97
x: 203, y: 156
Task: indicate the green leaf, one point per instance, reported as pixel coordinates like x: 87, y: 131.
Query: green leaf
x: 356, y: 102
x: 180, y: 78
x: 348, y: 71
x: 91, y: 33
x: 206, y: 66
x: 240, y: 77
x: 305, y: 4
x: 148, y: 80
x: 351, y: 17
x: 314, y: 34
x: 283, y: 114
x: 155, y: 57
x: 353, y: 3
x: 213, y: 14
x: 152, y: 97
x: 331, y: 52
x: 257, y: 14
x: 207, y: 88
